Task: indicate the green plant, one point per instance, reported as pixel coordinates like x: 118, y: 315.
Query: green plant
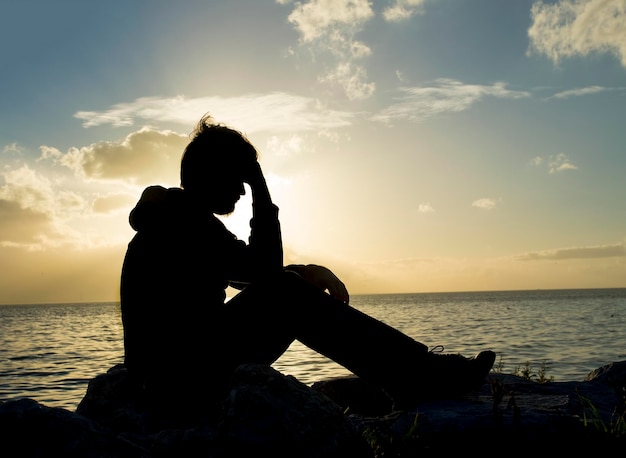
x: 497, y: 392
x: 541, y: 375
x: 526, y: 372
x: 523, y: 371
x: 615, y: 427
x: 386, y: 443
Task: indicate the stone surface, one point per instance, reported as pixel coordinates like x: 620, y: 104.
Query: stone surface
x: 267, y: 413
x: 508, y: 410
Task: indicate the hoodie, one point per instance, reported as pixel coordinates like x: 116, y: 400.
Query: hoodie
x: 176, y: 270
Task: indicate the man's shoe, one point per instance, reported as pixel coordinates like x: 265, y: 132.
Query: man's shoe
x: 483, y: 363
x: 455, y: 376
x: 445, y: 376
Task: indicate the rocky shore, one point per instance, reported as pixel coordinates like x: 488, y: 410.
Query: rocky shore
x: 268, y: 413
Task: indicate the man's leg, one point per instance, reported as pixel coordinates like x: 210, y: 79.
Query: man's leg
x: 253, y: 328
x: 265, y: 319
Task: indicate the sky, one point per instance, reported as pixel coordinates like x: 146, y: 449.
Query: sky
x: 411, y: 145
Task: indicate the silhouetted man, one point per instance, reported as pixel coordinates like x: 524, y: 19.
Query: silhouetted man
x: 181, y: 334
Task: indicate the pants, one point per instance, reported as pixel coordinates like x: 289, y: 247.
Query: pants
x: 260, y: 323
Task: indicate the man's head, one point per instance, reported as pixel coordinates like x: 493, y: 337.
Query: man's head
x: 214, y: 162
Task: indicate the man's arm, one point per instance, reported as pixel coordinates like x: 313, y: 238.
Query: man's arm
x: 265, y: 239
x: 322, y: 278
x: 319, y: 276
x: 256, y: 180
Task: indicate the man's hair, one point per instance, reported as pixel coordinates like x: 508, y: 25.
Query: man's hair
x: 214, y: 149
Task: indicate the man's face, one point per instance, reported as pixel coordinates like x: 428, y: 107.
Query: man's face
x: 225, y: 194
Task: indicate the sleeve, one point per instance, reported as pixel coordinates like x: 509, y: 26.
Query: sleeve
x: 265, y: 242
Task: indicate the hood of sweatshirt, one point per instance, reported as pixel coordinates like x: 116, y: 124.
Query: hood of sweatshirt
x: 157, y: 208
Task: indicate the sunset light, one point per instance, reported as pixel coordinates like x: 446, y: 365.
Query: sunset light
x: 411, y: 146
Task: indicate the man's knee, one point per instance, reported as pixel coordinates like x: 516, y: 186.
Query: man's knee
x: 294, y: 284
x: 284, y: 291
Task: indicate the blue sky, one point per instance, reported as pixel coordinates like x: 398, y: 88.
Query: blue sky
x: 416, y: 145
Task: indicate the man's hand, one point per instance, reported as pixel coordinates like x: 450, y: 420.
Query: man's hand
x: 253, y: 175
x: 324, y: 279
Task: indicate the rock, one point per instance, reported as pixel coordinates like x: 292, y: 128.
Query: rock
x: 525, y: 415
x: 114, y: 401
x: 356, y: 396
x: 270, y: 413
x: 265, y: 413
x: 29, y: 429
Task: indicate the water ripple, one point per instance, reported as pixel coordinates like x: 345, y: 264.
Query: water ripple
x: 50, y: 352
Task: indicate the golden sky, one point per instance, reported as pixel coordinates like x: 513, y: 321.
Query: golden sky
x: 411, y: 145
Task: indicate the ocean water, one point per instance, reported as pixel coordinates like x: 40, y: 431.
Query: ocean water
x: 49, y: 352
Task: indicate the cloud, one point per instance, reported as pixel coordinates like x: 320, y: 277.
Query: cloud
x: 34, y: 191
x: 34, y: 211
x: 400, y: 76
x: 319, y: 18
x: 578, y: 92
x: 593, y: 252
x: 401, y: 10
x: 555, y: 163
x: 425, y: 208
x: 560, y: 163
x: 352, y: 78
x: 276, y: 111
x: 80, y: 199
x: 329, y: 27
x: 12, y: 148
x: 443, y: 96
x: 287, y: 147
x: 20, y: 225
x: 113, y: 202
x: 485, y: 203
x: 83, y: 201
x: 578, y: 27
x: 536, y: 161
x: 142, y: 157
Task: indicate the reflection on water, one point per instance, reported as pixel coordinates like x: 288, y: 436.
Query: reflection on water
x: 572, y: 331
x: 50, y: 352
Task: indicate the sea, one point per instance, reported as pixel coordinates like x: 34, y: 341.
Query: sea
x: 50, y: 352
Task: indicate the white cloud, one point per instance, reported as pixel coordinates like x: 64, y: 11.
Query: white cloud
x: 484, y: 203
x: 592, y: 252
x: 425, y: 208
x: 329, y: 27
x: 401, y: 10
x: 353, y: 80
x: 560, y: 163
x: 579, y: 92
x: 34, y: 210
x: 400, y: 76
x: 36, y: 192
x: 12, y: 148
x: 285, y: 147
x: 278, y: 112
x: 316, y: 18
x: 42, y: 207
x: 578, y: 27
x: 555, y: 163
x: 445, y: 95
x: 113, y: 202
x: 142, y: 157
